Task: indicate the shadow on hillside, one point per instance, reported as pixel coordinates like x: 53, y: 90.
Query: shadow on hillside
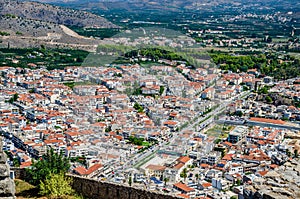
x: 30, y: 193
x: 26, y: 190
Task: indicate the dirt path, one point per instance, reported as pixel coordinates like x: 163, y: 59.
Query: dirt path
x: 71, y: 33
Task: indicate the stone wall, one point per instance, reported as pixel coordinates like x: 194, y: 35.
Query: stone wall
x: 19, y: 173
x: 7, y: 185
x: 93, y: 189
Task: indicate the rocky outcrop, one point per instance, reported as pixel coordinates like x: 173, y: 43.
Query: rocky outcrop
x: 283, y: 183
x: 7, y: 186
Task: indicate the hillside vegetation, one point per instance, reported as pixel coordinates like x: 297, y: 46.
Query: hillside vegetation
x: 31, y: 24
x: 54, y: 14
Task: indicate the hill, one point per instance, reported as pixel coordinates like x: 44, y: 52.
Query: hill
x: 53, y: 14
x: 177, y: 5
x: 18, y: 32
x: 32, y: 24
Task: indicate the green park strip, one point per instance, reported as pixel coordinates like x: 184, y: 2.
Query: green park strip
x: 144, y: 160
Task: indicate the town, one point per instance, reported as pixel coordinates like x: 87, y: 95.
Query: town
x: 170, y: 128
x: 149, y: 99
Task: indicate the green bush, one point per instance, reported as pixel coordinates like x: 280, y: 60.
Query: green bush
x: 4, y: 33
x: 56, y: 186
x: 49, y: 164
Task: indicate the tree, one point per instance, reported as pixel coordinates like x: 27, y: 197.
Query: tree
x: 49, y: 164
x: 223, y: 153
x: 108, y: 129
x: 43, y: 47
x: 128, y: 91
x: 130, y: 180
x: 184, y: 174
x: 16, y: 96
x: 13, y: 98
x: 31, y: 90
x: 239, y: 113
x: 288, y: 153
x: 117, y: 75
x: 238, y: 182
x: 197, y: 176
x: 296, y: 153
x: 19, y: 33
x: 269, y: 39
x: 138, y: 107
x: 245, y: 88
x: 161, y: 90
x: 16, y: 162
x: 136, y: 141
x: 263, y: 90
x: 269, y: 99
x: 166, y: 180
x: 56, y: 186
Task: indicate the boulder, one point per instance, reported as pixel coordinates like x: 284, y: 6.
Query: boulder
x: 7, y: 188
x: 4, y: 171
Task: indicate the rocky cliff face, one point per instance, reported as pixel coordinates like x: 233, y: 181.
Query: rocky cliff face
x: 7, y: 186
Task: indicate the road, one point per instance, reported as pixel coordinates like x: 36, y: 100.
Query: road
x: 136, y: 160
x: 209, y: 117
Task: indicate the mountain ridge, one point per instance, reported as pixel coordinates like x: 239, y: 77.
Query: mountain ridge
x: 169, y: 5
x: 53, y: 14
x: 31, y: 24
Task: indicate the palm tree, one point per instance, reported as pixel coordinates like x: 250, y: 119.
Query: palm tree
x: 197, y: 177
x: 184, y: 174
x: 130, y: 180
x: 166, y: 180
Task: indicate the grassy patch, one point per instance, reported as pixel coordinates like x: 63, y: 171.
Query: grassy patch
x: 28, y: 191
x: 72, y: 84
x: 219, y: 131
x: 144, y: 160
x: 146, y: 144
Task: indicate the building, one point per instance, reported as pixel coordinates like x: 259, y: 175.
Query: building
x: 208, y: 93
x: 184, y: 189
x: 236, y: 169
x: 237, y: 134
x: 220, y: 184
x: 155, y: 170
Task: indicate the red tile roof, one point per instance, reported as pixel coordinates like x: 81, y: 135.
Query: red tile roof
x: 227, y: 157
x: 178, y: 166
x: 207, y: 184
x: 265, y: 120
x: 169, y: 122
x: 204, y: 165
x: 83, y: 171
x: 183, y: 187
x: 156, y: 167
x: 80, y: 170
x: 273, y: 166
x: 93, y: 168
x: 228, y: 144
x: 183, y: 195
x: 183, y: 159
